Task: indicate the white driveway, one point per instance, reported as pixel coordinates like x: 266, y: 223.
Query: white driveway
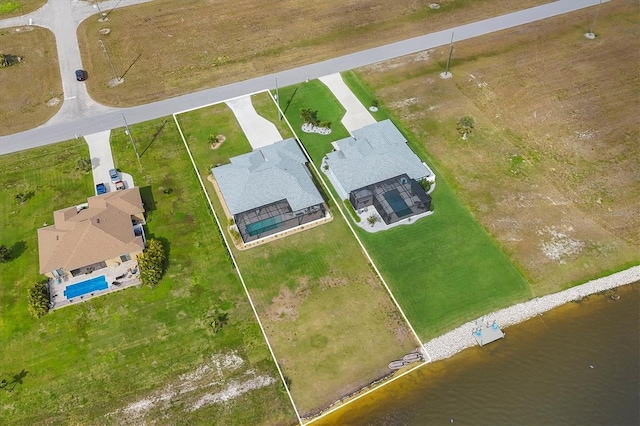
x: 101, y: 158
x: 260, y: 131
x: 357, y: 115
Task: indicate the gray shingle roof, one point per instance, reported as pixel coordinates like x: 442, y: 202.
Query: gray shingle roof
x: 267, y: 175
x: 375, y: 152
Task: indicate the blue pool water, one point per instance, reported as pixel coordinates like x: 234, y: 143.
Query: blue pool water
x: 396, y: 202
x: 263, y: 225
x: 84, y: 287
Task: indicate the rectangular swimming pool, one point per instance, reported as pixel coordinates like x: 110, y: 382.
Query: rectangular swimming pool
x: 396, y: 202
x: 263, y: 225
x: 84, y: 287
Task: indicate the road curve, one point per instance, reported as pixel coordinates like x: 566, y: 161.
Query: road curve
x: 97, y: 120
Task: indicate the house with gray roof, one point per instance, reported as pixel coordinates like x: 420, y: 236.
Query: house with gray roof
x: 376, y: 167
x: 269, y: 190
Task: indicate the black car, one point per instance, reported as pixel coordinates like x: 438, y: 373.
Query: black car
x: 81, y: 75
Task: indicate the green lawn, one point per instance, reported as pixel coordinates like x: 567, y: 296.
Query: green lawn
x: 316, y: 96
x: 444, y: 269
x: 331, y: 324
x: 86, y: 363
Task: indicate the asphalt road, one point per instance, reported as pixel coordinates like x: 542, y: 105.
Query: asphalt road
x: 91, y: 117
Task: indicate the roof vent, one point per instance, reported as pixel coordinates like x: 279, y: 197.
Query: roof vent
x: 98, y: 220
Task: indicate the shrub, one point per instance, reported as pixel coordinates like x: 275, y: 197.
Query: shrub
x: 352, y: 210
x: 425, y: 184
x: 374, y: 102
x: 84, y: 164
x: 152, y: 263
x: 5, y: 253
x: 235, y: 235
x: 373, y: 219
x: 38, y: 299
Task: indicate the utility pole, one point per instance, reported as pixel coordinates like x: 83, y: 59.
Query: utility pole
x: 104, y: 49
x: 278, y: 99
x: 128, y: 132
x: 590, y: 34
x: 446, y: 71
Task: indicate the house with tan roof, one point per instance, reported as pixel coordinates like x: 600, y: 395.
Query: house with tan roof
x: 105, y: 231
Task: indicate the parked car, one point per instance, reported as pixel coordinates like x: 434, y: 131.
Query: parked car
x: 81, y: 75
x: 113, y: 174
x: 120, y: 185
x: 101, y: 188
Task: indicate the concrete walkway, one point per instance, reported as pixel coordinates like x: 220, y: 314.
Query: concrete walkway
x: 260, y: 131
x: 357, y: 116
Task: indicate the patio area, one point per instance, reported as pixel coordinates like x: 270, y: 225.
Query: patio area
x: 117, y: 277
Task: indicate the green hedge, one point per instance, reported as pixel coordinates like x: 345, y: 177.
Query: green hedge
x: 351, y: 210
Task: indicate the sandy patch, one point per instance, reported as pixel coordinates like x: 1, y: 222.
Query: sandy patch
x: 558, y: 245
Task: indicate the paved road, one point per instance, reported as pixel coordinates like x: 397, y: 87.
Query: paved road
x: 93, y: 120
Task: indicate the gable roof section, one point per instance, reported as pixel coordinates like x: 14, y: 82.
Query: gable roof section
x: 97, y: 233
x: 375, y: 153
x: 266, y: 175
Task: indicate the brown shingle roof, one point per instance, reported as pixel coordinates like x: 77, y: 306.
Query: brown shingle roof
x: 100, y: 232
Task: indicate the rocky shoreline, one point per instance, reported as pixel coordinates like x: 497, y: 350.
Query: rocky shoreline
x: 456, y: 340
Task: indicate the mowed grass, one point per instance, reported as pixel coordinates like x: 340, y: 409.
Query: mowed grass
x: 551, y: 168
x: 331, y: 324
x: 28, y: 86
x: 166, y: 48
x: 444, y: 269
x: 10, y: 8
x: 95, y: 358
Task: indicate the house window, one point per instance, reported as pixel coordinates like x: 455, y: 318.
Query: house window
x: 125, y: 257
x: 57, y: 272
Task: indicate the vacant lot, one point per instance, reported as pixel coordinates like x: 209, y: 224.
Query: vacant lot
x: 443, y: 269
x: 31, y: 90
x: 9, y: 8
x: 551, y: 169
x: 167, y: 48
x: 139, y: 355
x: 332, y: 325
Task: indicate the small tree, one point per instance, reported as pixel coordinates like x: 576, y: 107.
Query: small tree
x: 5, y: 253
x: 373, y: 219
x: 38, y: 299
x: 465, y: 126
x: 220, y: 321
x: 152, y: 263
x: 84, y: 164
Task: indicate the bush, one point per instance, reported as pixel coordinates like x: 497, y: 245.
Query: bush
x: 84, y: 164
x: 38, y: 299
x: 5, y: 253
x: 152, y: 263
x: 235, y: 236
x: 352, y: 210
x: 425, y: 184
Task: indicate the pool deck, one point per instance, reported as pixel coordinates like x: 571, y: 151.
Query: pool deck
x: 56, y: 290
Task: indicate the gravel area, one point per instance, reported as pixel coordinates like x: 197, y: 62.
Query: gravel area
x: 451, y: 343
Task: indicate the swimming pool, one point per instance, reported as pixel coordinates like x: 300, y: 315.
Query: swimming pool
x: 84, y: 287
x: 396, y: 202
x: 263, y: 225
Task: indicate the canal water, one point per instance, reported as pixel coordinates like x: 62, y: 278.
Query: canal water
x: 576, y: 365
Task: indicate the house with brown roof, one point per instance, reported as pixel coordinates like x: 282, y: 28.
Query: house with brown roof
x: 105, y: 231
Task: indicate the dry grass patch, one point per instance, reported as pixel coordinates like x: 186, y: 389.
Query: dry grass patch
x: 191, y: 45
x: 552, y: 167
x: 31, y: 90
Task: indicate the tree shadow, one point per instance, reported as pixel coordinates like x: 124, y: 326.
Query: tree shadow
x: 155, y: 136
x: 9, y: 59
x: 17, y: 380
x: 17, y: 249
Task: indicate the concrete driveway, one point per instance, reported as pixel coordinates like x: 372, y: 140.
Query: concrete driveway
x: 260, y: 131
x: 356, y: 115
x: 101, y: 158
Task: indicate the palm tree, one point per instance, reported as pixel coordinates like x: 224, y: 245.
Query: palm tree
x: 220, y: 321
x: 465, y: 126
